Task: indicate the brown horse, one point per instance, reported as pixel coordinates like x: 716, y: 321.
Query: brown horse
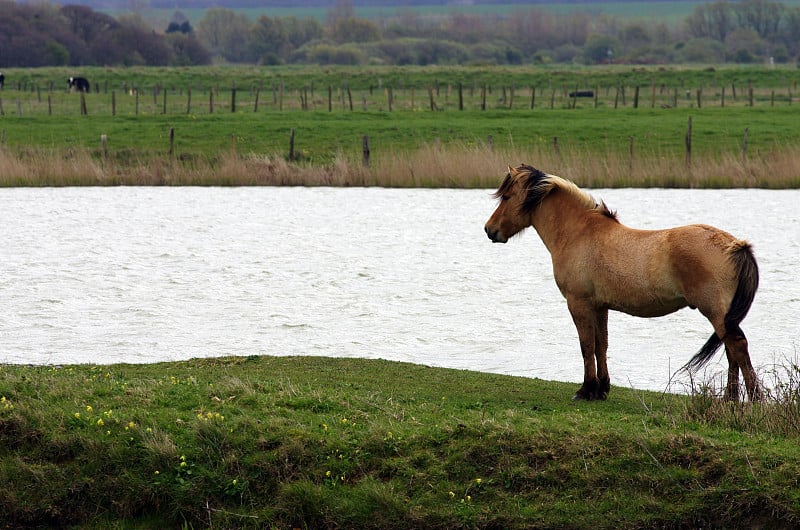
x: 601, y: 264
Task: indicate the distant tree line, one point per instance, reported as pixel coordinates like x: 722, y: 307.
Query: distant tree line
x: 724, y: 31
x: 44, y: 34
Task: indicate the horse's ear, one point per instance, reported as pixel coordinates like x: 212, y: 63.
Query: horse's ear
x: 510, y: 170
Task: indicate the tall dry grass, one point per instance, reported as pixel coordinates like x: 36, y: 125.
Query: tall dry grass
x: 778, y: 413
x: 433, y: 165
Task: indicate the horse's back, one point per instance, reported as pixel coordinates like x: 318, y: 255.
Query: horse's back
x: 650, y: 272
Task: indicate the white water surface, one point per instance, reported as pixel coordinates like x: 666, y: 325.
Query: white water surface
x: 138, y: 275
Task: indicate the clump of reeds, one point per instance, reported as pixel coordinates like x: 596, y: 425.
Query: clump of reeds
x: 777, y: 413
x: 433, y: 165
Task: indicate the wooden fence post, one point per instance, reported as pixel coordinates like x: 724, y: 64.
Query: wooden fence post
x: 330, y: 98
x: 171, y: 142
x: 291, y: 145
x: 255, y: 103
x: 636, y: 97
x: 630, y: 156
x: 689, y: 145
x: 460, y: 96
x: 104, y: 145
x: 365, y: 150
x: 744, y: 146
x: 113, y: 103
x: 189, y: 99
x: 233, y: 98
x: 557, y: 150
x: 84, y: 112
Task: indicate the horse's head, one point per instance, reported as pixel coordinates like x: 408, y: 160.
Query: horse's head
x: 519, y: 195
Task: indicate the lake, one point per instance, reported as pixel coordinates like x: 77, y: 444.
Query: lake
x: 139, y: 275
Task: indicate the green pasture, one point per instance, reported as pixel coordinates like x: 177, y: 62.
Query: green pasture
x: 320, y: 136
x: 255, y: 110
x: 782, y: 79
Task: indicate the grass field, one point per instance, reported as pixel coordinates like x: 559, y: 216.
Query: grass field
x: 266, y: 442
x: 747, y: 115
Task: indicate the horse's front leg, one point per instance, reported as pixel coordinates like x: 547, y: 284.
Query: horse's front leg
x: 586, y: 321
x: 600, y: 351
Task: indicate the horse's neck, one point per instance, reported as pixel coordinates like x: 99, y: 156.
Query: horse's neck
x: 559, y: 219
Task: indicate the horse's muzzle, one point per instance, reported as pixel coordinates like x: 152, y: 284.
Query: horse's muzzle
x: 494, y: 235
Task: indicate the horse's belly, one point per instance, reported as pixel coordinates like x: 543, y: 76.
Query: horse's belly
x: 649, y: 308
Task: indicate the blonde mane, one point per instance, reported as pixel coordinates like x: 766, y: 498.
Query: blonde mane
x: 537, y: 185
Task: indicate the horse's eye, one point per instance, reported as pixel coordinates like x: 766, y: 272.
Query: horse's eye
x: 504, y: 198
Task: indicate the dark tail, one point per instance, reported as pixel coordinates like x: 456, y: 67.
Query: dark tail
x: 747, y: 271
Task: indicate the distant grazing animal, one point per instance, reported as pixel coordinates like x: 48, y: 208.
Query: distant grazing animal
x: 601, y: 264
x: 582, y: 94
x: 78, y: 84
x: 2, y: 80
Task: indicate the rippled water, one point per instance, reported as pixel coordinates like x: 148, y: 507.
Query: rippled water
x: 107, y: 275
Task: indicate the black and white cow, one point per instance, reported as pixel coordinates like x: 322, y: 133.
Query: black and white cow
x: 78, y: 84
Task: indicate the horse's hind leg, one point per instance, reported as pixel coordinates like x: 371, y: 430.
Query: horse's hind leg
x: 738, y: 355
x: 732, y: 390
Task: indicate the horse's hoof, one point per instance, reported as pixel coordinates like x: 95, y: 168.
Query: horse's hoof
x: 590, y: 395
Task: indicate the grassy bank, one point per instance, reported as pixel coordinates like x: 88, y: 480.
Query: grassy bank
x: 319, y: 443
